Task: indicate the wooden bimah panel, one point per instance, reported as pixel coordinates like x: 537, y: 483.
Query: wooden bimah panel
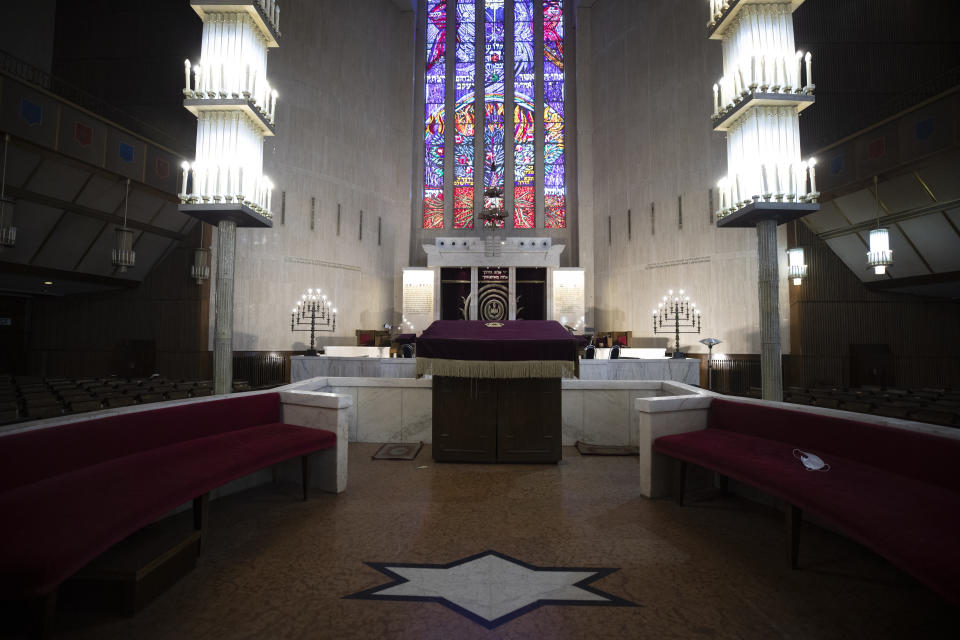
x: 496, y: 389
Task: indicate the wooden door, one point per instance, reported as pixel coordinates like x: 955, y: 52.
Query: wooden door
x: 529, y: 420
x: 464, y: 420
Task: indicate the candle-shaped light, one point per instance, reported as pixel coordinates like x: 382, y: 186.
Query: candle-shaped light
x: 813, y: 177
x: 196, y: 182
x: 716, y: 101
x: 273, y: 105
x: 802, y: 182
x: 197, y: 84
x: 269, y: 193
x: 186, y: 78
x: 186, y: 175
x: 791, y: 182
x: 809, y: 59
x: 797, y: 72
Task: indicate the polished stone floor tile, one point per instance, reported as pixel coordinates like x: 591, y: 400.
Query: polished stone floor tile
x: 276, y: 567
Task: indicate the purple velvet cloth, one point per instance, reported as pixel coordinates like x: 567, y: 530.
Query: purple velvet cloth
x: 515, y: 340
x: 405, y: 338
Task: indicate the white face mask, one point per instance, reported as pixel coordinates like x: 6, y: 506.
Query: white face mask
x: 811, y: 462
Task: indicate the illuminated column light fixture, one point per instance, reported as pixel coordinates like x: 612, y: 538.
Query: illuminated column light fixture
x: 758, y: 102
x: 796, y: 265
x: 235, y: 107
x: 234, y: 103
x: 880, y: 255
x: 766, y: 84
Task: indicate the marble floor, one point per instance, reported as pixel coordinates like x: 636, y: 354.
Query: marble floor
x: 415, y: 549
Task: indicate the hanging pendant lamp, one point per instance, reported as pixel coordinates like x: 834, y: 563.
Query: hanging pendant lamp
x: 200, y: 270
x: 123, y: 255
x: 880, y: 255
x: 8, y: 232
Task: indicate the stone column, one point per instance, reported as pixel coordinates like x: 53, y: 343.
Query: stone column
x: 769, y: 286
x: 223, y: 331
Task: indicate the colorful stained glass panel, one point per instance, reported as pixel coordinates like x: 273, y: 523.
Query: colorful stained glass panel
x: 523, y: 116
x: 554, y: 158
x: 434, y: 113
x: 465, y: 115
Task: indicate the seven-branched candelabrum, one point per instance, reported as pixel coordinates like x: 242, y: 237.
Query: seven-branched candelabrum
x: 676, y: 310
x: 313, y: 309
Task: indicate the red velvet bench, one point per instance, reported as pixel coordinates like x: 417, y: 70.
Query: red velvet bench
x: 70, y: 492
x: 894, y: 490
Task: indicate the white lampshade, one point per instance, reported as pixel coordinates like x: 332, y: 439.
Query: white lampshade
x: 796, y: 266
x: 123, y: 255
x: 880, y: 255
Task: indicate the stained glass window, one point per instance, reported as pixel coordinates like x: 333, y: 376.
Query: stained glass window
x: 493, y: 96
x: 554, y: 158
x: 435, y: 103
x: 524, y: 211
x: 482, y: 80
x: 465, y: 115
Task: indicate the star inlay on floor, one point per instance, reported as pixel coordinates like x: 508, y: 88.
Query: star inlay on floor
x: 491, y: 588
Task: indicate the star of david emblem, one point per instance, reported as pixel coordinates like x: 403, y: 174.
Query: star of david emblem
x: 491, y: 588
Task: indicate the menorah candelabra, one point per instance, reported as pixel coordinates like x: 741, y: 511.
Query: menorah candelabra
x: 315, y: 310
x: 683, y: 313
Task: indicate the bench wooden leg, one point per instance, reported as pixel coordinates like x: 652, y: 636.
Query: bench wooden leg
x: 305, y: 462
x: 794, y: 517
x: 201, y: 517
x: 679, y: 480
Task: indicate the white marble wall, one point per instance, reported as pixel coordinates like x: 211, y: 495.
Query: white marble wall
x: 658, y: 146
x: 344, y: 130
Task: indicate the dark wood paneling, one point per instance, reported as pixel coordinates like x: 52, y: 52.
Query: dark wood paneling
x: 464, y: 419
x: 528, y: 420
x: 833, y: 310
x: 82, y: 335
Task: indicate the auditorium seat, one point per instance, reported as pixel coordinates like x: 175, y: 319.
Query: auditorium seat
x: 120, y: 401
x: 45, y: 411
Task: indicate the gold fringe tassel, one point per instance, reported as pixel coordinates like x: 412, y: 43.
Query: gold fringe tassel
x: 495, y: 368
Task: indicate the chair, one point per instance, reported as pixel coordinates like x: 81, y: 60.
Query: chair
x: 407, y: 350
x: 589, y: 352
x: 615, y: 352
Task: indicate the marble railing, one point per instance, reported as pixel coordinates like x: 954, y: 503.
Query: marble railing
x: 401, y: 409
x: 307, y: 367
x: 686, y: 370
